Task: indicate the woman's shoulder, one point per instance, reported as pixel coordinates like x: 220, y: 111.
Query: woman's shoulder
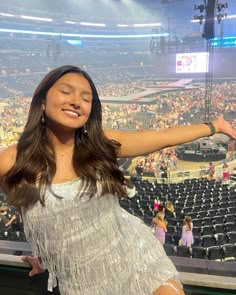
x: 7, y: 159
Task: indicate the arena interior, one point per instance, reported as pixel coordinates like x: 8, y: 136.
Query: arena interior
x: 156, y: 64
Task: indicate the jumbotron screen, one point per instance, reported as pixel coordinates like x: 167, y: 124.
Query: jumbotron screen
x: 195, y: 62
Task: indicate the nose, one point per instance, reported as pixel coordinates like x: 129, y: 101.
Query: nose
x: 76, y: 106
x: 75, y: 101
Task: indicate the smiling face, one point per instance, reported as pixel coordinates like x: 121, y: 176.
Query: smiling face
x: 68, y: 103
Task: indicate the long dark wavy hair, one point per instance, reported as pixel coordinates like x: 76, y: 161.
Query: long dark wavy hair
x: 95, y: 156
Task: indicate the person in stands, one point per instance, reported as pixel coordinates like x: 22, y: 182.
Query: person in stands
x: 161, y: 229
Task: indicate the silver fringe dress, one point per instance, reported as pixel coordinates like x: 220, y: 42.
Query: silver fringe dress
x: 92, y: 246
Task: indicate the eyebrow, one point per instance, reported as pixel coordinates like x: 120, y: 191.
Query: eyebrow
x: 72, y: 87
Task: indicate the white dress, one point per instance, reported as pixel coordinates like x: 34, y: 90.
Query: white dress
x: 94, y: 247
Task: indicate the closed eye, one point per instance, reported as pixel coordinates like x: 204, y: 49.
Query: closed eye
x: 65, y: 92
x: 86, y: 99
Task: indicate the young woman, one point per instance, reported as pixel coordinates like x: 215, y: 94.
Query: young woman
x: 225, y: 170
x: 187, y: 232
x: 161, y: 229
x: 64, y: 177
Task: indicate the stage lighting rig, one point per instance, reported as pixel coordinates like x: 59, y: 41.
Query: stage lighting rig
x: 220, y: 9
x: 199, y: 17
x: 201, y: 7
x: 221, y: 6
x: 220, y: 16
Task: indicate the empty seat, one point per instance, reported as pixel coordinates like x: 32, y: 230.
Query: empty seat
x: 231, y: 210
x: 224, y: 205
x: 229, y: 218
x: 229, y: 251
x: 202, y: 214
x: 197, y: 241
x: 215, y: 253
x: 199, y: 252
x: 169, y: 249
x: 183, y: 251
x: 231, y: 237
x: 172, y: 221
x: 207, y: 221
x: 221, y: 211
x: 206, y: 230
x: 219, y: 228
x: 232, y: 203
x: 197, y: 222
x: 218, y: 219
x: 196, y: 231
x: 208, y: 241
x: 193, y: 215
x: 230, y: 226
x: 212, y: 212
x: 221, y: 239
x: 171, y: 229
x: 147, y: 220
x: 169, y: 239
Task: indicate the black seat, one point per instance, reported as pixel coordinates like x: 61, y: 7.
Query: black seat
x: 199, y: 252
x: 230, y: 226
x: 206, y: 230
x: 229, y: 251
x: 197, y: 241
x: 215, y: 253
x: 219, y: 228
x: 169, y: 249
x: 207, y: 221
x: 147, y: 220
x: 169, y: 239
x: 208, y: 241
x: 212, y: 212
x: 224, y: 205
x: 197, y: 222
x: 231, y: 210
x: 172, y: 221
x: 202, y: 214
x: 232, y: 237
x: 221, y: 211
x: 229, y: 218
x: 193, y: 215
x: 221, y: 239
x: 218, y: 219
x: 183, y: 251
x: 171, y: 229
x: 196, y: 230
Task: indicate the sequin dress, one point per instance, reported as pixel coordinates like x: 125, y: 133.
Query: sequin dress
x: 94, y: 247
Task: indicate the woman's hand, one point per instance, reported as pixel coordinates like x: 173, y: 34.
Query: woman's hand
x: 223, y: 126
x: 34, y: 262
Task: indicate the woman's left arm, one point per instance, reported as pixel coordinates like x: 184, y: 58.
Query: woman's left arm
x: 140, y: 143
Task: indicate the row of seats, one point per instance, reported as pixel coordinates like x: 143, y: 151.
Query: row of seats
x: 204, y: 240
x: 226, y: 252
x: 205, y: 230
x: 11, y: 235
